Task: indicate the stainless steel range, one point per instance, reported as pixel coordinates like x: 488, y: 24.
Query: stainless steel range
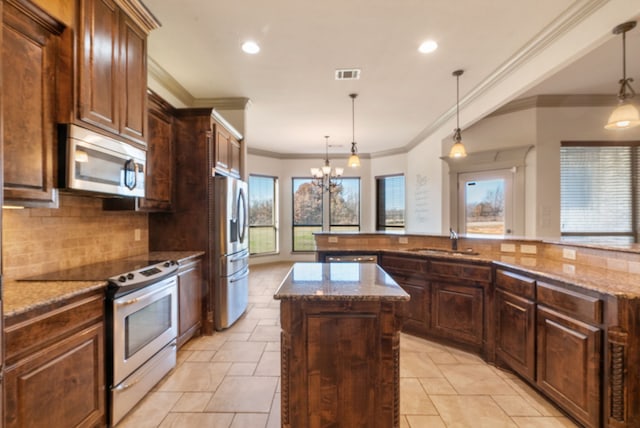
x: 142, y: 312
x: 142, y: 320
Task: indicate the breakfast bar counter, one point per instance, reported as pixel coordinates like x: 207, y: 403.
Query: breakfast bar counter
x: 340, y: 345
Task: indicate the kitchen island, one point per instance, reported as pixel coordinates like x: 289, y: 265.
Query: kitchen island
x: 340, y: 345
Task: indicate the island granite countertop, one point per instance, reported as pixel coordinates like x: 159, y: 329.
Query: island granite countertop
x: 339, y: 281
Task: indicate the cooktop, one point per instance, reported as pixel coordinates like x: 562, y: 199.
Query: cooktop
x: 98, y: 271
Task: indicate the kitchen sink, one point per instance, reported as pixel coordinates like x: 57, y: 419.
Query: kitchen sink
x: 444, y: 251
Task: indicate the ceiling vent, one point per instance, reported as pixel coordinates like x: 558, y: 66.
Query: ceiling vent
x: 348, y: 74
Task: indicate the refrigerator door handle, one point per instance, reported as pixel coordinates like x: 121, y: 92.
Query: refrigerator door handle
x: 243, y: 255
x: 242, y: 216
x: 241, y: 277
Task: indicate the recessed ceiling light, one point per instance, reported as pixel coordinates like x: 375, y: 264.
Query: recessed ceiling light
x: 250, y: 47
x: 428, y: 46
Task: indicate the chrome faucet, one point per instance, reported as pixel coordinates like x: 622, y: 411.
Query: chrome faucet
x: 453, y: 236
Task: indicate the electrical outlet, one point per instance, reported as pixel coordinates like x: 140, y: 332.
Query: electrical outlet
x: 333, y: 240
x: 569, y: 254
x: 508, y: 248
x: 403, y: 240
x: 136, y: 234
x: 568, y: 269
x: 528, y: 249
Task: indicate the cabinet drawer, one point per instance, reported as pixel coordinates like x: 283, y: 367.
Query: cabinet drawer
x: 461, y: 270
x: 395, y: 263
x: 583, y: 307
x: 517, y: 284
x: 28, y: 336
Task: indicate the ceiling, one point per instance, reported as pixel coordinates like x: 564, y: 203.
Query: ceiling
x: 295, y: 100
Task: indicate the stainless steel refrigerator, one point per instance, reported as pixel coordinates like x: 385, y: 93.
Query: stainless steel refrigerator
x: 231, y: 252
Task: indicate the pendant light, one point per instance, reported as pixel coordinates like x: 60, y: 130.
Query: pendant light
x: 354, y: 160
x: 626, y: 115
x: 457, y: 150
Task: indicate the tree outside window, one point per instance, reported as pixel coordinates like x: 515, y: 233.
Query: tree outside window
x: 307, y: 213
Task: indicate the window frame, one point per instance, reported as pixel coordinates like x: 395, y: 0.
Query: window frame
x: 276, y: 222
x: 383, y: 227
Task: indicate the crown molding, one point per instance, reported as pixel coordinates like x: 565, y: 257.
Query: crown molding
x: 572, y: 16
x: 142, y: 16
x: 539, y: 101
x: 276, y: 155
x: 489, y: 159
x: 236, y: 103
x: 160, y: 75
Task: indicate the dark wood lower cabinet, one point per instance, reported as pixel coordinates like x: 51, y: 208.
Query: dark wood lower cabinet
x: 457, y: 313
x: 418, y: 308
x: 569, y: 364
x: 340, y: 364
x: 61, y: 385
x: 515, y: 333
x: 189, y: 301
x: 55, y: 370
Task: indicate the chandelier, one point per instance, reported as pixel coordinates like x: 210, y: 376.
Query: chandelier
x: 326, y: 177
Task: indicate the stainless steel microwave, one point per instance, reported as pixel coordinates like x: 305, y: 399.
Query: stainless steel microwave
x: 92, y: 162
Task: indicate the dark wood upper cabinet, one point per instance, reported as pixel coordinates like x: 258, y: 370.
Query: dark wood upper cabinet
x: 227, y: 148
x: 98, y: 52
x: 110, y: 84
x: 159, y: 179
x: 29, y: 51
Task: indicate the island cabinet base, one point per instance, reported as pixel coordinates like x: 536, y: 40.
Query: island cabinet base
x: 341, y: 363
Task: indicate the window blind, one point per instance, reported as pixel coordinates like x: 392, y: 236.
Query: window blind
x: 596, y: 192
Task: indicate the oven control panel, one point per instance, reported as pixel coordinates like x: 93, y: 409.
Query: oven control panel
x: 145, y: 275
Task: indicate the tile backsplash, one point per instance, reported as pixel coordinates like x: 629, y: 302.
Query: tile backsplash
x: 36, y: 241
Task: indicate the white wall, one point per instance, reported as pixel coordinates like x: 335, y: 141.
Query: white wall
x: 545, y: 128
x: 514, y: 129
x: 424, y: 187
x: 555, y: 125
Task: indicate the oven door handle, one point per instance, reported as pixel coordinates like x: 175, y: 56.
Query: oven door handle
x: 241, y: 277
x: 139, y: 298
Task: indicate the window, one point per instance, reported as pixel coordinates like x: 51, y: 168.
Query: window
x: 390, y: 203
x: 486, y: 203
x: 597, y: 200
x: 263, y: 218
x: 344, y: 206
x: 307, y: 213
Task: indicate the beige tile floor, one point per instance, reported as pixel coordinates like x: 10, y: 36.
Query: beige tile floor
x: 231, y: 380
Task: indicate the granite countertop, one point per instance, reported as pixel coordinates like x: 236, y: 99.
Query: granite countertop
x: 339, y: 281
x: 22, y: 296
x: 595, y: 278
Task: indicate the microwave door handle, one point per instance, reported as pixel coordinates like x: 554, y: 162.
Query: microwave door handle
x: 130, y: 167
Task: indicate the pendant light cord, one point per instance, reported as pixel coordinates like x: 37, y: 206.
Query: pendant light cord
x: 457, y: 101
